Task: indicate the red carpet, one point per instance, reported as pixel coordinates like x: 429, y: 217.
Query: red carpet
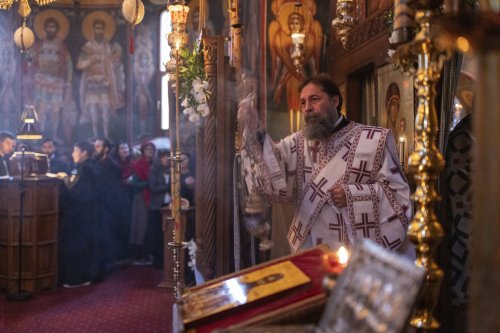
x: 126, y: 301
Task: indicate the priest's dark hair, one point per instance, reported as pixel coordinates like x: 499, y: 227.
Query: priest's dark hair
x: 85, y: 146
x: 327, y: 85
x: 6, y: 134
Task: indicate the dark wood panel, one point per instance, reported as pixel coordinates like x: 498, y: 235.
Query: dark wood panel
x: 40, y: 234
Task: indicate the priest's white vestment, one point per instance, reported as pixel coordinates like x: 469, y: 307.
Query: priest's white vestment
x: 362, y: 159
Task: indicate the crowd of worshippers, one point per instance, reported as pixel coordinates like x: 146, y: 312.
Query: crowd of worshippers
x: 110, y: 203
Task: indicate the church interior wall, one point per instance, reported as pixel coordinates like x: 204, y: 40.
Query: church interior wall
x: 135, y: 75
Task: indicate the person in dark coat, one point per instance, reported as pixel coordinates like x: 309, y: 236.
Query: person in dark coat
x: 124, y: 161
x: 7, y: 145
x: 56, y: 164
x: 79, y: 253
x: 112, y: 200
x: 159, y: 185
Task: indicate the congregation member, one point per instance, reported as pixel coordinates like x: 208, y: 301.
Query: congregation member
x: 79, y: 253
x: 7, y: 146
x: 123, y: 159
x: 56, y: 163
x: 159, y: 185
x: 140, y: 202
x: 111, y: 202
x: 343, y: 178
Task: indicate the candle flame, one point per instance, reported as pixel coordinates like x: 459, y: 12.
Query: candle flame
x: 343, y: 255
x: 401, y: 139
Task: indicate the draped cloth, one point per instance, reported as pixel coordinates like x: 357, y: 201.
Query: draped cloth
x: 362, y: 159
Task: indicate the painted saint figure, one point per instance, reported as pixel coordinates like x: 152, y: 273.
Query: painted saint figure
x: 392, y: 104
x: 52, y: 69
x: 102, y: 84
x: 285, y: 78
x: 144, y: 71
x: 8, y: 77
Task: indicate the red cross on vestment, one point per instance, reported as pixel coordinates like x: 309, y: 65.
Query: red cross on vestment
x: 391, y: 245
x: 315, y: 151
x: 370, y: 132
x: 338, y: 227
x: 362, y: 171
x: 317, y: 189
x: 365, y: 225
x: 348, y: 145
x: 307, y: 169
x: 296, y: 233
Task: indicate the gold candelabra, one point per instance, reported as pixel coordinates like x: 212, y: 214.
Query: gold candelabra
x: 345, y: 20
x: 426, y: 161
x: 177, y: 39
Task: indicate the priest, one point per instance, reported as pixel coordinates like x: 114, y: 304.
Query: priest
x: 343, y: 178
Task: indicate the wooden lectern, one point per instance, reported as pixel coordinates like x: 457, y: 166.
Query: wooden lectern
x: 40, y: 233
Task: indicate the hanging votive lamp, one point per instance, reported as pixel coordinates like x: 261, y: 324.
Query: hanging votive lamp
x: 24, y: 37
x: 178, y: 38
x: 345, y: 20
x: 133, y: 13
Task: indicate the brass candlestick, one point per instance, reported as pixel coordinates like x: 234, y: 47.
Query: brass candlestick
x: 178, y: 228
x: 177, y: 39
x: 426, y: 162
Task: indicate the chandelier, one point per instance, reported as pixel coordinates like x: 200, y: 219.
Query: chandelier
x: 23, y: 36
x: 345, y: 20
x: 24, y: 6
x: 296, y: 22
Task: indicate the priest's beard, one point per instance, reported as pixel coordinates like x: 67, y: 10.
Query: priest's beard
x: 319, y: 127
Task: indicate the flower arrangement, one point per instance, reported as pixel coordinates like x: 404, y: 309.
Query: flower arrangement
x: 194, y: 85
x: 191, y: 246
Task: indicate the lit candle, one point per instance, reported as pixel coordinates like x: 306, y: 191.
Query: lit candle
x: 403, y: 22
x: 403, y: 15
x: 202, y: 23
x: 298, y: 120
x: 335, y: 262
x: 402, y: 150
x: 343, y: 256
x: 298, y: 38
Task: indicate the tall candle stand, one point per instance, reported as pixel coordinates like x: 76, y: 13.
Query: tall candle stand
x: 177, y: 39
x: 426, y: 161
x: 178, y: 228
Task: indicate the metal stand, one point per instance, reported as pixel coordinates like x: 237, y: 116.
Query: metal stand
x: 178, y: 278
x: 20, y: 295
